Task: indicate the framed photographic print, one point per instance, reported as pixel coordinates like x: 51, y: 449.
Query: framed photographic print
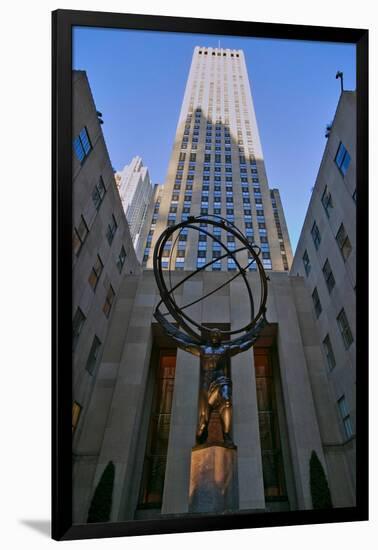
x: 210, y: 192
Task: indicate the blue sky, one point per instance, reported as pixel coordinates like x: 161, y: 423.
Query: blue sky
x: 138, y: 80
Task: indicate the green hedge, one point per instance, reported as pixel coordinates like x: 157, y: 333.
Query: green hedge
x: 320, y: 493
x: 101, y: 505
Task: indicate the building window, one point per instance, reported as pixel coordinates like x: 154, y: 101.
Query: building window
x: 316, y: 302
x: 79, y: 236
x: 344, y: 328
x: 95, y: 273
x: 327, y: 201
x: 93, y: 355
x: 155, y: 460
x: 343, y: 242
x: 82, y: 145
x: 271, y: 454
x: 342, y: 159
x: 76, y: 411
x: 328, y: 276
x: 329, y: 352
x: 345, y: 416
x: 315, y: 233
x: 108, y: 301
x: 121, y: 259
x: 231, y: 265
x: 98, y: 193
x: 112, y: 228
x: 77, y: 325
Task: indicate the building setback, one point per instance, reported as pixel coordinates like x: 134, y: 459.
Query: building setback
x: 103, y: 253
x: 136, y: 192
x: 326, y: 259
x: 142, y: 413
x: 217, y: 166
x: 281, y: 227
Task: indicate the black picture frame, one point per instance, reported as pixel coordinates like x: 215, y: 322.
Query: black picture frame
x: 62, y: 23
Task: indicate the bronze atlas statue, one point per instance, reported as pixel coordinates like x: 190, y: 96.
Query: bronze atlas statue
x: 213, y: 346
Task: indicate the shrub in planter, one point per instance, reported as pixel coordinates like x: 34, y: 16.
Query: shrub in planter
x: 101, y: 504
x: 320, y: 493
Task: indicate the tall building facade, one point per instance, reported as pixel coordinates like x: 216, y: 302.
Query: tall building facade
x: 217, y: 167
x: 326, y: 259
x: 103, y: 252
x: 136, y: 192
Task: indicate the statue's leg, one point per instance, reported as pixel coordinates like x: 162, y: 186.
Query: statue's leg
x: 203, y: 417
x: 226, y: 415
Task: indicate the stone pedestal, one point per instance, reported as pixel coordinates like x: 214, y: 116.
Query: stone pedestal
x: 213, y: 480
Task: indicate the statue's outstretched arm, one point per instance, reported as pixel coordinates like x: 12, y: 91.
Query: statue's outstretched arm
x: 189, y: 347
x: 182, y: 340
x: 245, y: 342
x: 238, y: 348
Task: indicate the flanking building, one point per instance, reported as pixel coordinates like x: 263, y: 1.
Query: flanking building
x: 103, y: 253
x: 136, y: 192
x: 150, y: 223
x: 326, y: 259
x: 142, y: 414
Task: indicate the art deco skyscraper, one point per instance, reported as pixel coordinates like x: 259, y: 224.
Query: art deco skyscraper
x: 136, y: 193
x: 217, y: 167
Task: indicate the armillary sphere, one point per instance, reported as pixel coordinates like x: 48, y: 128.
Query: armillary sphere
x: 200, y: 333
